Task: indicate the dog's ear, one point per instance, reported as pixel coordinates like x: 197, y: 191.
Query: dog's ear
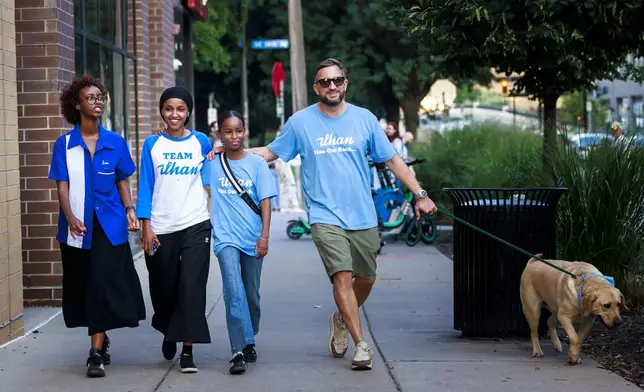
x: 621, y: 296
x: 587, y: 304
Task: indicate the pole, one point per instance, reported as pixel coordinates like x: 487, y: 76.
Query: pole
x: 298, y: 67
x: 585, y: 113
x: 514, y: 112
x: 244, y: 85
x: 281, y: 104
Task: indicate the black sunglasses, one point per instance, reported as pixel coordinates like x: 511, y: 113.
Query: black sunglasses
x: 326, y: 82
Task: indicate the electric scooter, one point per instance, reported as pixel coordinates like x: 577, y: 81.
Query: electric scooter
x: 297, y: 228
x: 396, y: 211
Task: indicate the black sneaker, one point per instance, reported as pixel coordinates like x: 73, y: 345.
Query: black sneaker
x: 169, y: 349
x: 105, y: 351
x: 250, y: 355
x: 238, y: 365
x: 95, y: 366
x: 187, y: 364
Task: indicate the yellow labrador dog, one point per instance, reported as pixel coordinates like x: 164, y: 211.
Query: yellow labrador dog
x: 570, y: 300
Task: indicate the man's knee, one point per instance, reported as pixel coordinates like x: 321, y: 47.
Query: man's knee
x: 342, y: 279
x: 364, y: 282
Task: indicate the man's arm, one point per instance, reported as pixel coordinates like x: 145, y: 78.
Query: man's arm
x: 400, y: 169
x: 263, y: 152
x: 403, y: 173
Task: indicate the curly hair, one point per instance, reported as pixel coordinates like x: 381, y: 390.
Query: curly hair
x: 69, y: 98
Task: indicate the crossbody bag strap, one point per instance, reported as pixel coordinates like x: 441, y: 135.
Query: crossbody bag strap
x: 238, y: 188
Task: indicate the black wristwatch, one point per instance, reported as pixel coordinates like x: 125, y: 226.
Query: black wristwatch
x: 129, y: 208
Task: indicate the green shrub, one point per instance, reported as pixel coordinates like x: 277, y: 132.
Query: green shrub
x: 484, y: 155
x: 601, y: 216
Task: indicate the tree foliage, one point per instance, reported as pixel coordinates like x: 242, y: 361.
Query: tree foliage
x: 388, y: 69
x: 556, y: 46
x: 211, y: 53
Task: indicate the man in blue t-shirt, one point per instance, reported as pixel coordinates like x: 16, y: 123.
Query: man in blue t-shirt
x: 333, y: 139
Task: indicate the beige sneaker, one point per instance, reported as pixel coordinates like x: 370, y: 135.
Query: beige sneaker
x: 362, y: 358
x: 338, y: 337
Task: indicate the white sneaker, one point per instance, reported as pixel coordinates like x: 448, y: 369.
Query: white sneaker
x: 362, y: 358
x: 338, y: 337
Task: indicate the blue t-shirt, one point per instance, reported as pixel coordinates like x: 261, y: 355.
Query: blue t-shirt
x: 335, y: 173
x: 233, y: 221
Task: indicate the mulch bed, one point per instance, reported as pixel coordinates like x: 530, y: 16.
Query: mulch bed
x: 620, y: 350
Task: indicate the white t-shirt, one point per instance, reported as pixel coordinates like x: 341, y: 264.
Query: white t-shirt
x: 172, y: 180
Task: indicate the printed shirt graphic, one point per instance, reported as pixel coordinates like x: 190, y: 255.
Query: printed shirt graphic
x: 233, y: 222
x: 335, y: 172
x: 172, y: 179
x: 92, y: 184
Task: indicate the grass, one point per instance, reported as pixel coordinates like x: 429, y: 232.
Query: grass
x: 600, y: 217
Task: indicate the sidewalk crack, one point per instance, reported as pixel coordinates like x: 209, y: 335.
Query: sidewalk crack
x: 390, y: 369
x: 174, y: 363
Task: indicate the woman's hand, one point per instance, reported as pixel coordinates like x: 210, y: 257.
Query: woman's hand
x: 132, y: 221
x: 76, y: 227
x: 148, y: 238
x: 217, y: 150
x: 261, y: 247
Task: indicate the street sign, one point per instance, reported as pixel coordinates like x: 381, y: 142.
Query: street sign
x: 268, y: 44
x: 278, y: 76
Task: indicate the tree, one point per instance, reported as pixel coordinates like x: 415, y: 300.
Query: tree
x: 556, y: 46
x: 210, y: 51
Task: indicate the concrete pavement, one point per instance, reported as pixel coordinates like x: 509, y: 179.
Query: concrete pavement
x: 408, y: 320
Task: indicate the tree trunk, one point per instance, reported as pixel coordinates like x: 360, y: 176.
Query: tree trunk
x: 299, y: 84
x: 393, y: 111
x: 410, y: 110
x: 549, y: 137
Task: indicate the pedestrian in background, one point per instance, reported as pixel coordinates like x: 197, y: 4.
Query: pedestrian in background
x: 91, y: 166
x: 173, y: 204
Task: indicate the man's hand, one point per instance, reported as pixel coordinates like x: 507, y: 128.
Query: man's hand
x: 132, y: 221
x: 215, y: 151
x: 261, y: 247
x: 425, y: 206
x: 76, y: 227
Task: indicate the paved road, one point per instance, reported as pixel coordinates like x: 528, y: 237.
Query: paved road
x: 409, y: 314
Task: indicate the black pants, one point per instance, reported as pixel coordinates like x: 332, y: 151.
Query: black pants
x: 101, y: 289
x: 178, y: 274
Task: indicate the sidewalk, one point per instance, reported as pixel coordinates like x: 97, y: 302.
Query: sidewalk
x: 409, y: 315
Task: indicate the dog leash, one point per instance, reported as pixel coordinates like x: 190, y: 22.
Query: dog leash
x: 504, y: 242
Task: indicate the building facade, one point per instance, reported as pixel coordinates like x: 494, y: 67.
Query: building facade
x: 138, y: 48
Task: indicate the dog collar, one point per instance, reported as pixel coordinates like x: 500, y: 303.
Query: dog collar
x: 584, y: 278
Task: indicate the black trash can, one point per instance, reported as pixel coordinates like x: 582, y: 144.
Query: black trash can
x: 487, y: 273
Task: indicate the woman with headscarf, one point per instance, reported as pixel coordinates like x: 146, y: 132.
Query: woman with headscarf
x: 173, y: 205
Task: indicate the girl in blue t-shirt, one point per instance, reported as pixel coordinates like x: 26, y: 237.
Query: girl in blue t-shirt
x: 241, y: 228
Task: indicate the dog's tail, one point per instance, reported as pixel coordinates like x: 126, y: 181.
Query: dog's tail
x: 535, y: 259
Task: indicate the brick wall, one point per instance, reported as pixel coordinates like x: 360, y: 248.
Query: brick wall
x: 11, y: 308
x: 45, y: 63
x: 138, y: 23
x: 161, y: 54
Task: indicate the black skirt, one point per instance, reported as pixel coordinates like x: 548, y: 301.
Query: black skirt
x: 101, y: 289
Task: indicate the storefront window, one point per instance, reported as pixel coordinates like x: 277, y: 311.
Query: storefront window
x: 101, y: 46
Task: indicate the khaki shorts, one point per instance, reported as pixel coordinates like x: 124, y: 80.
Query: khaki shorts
x: 347, y: 250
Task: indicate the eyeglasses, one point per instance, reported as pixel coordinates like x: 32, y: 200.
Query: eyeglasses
x: 92, y: 99
x: 326, y: 82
